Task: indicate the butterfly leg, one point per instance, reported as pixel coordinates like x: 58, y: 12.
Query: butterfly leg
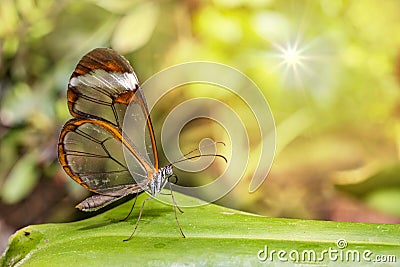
x: 138, y: 220
x: 176, y: 180
x: 176, y: 217
x: 134, y: 202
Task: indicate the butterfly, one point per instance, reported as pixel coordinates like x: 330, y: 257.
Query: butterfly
x: 107, y: 155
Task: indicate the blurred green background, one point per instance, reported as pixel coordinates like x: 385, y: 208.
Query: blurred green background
x: 330, y: 71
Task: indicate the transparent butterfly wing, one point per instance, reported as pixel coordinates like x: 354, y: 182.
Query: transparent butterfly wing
x: 139, y: 129
x: 91, y: 146
x: 101, y: 87
x: 92, y: 154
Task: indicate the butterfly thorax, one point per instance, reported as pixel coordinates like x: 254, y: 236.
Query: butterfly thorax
x: 159, y: 180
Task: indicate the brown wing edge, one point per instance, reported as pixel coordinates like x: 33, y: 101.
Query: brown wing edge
x: 139, y: 98
x: 73, y: 96
x: 108, y: 60
x: 71, y: 125
x: 62, y: 156
x: 102, y: 58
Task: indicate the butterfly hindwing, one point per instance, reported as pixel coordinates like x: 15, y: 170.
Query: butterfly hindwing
x: 91, y: 152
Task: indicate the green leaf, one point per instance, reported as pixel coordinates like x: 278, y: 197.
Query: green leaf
x: 215, y: 236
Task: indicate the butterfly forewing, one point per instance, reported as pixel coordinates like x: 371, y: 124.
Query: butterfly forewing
x: 139, y: 130
x: 92, y: 146
x: 101, y: 87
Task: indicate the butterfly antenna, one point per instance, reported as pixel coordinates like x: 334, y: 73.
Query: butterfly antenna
x: 198, y: 148
x: 202, y: 155
x: 183, y: 158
